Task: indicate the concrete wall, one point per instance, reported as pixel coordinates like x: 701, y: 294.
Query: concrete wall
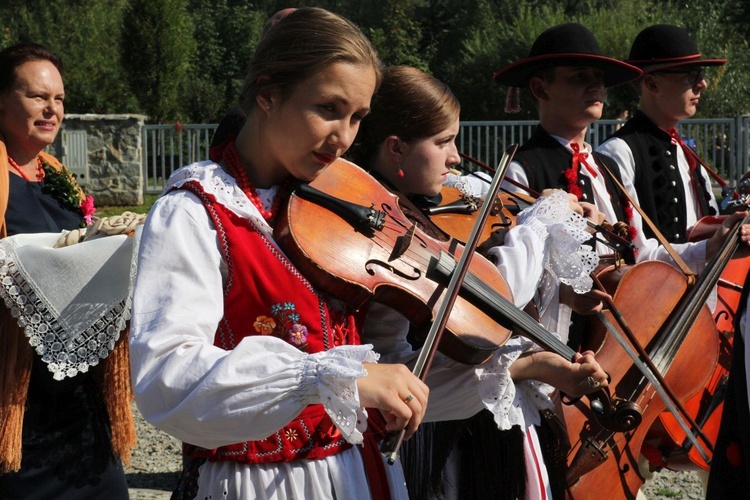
x: 105, y: 153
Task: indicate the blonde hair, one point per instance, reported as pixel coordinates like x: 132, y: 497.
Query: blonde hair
x: 410, y: 104
x: 308, y: 40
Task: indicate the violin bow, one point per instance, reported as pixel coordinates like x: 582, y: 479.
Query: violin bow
x: 393, y: 440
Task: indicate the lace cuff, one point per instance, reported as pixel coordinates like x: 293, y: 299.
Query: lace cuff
x: 568, y: 259
x: 511, y: 403
x: 470, y: 185
x: 336, y: 372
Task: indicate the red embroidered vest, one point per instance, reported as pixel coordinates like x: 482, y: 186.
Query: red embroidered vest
x: 266, y: 295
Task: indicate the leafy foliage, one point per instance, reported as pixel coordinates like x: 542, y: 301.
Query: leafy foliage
x: 87, y: 36
x: 156, y: 53
x: 227, y: 36
x: 185, y: 59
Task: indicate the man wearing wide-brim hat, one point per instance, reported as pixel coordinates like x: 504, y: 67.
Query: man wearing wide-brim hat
x: 567, y: 74
x: 671, y: 186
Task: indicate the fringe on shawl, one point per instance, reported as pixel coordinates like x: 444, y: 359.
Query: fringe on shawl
x: 16, y: 356
x: 15, y: 373
x: 490, y: 461
x: 553, y: 439
x: 117, y: 393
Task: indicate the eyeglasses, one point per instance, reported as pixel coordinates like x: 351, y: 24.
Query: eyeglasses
x: 692, y: 78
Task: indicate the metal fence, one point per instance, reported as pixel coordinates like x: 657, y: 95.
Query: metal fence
x: 723, y: 143
x: 168, y: 147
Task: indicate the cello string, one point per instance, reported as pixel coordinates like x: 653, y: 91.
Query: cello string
x: 648, y: 374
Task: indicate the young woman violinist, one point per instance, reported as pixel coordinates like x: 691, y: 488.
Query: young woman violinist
x: 233, y: 350
x: 408, y: 142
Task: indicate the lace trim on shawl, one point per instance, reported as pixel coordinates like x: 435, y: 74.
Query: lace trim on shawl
x: 568, y: 259
x: 68, y: 346
x: 512, y: 403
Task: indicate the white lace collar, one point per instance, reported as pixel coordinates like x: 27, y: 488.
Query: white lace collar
x: 218, y: 183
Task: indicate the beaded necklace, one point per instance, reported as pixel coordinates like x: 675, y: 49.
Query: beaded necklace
x: 39, y: 169
x: 237, y: 170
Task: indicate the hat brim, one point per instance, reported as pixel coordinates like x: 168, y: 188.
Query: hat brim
x: 650, y: 68
x: 518, y: 74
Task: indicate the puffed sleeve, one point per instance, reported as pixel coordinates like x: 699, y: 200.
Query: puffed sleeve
x: 201, y: 393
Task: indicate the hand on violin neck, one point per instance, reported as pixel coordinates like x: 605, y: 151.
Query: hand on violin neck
x: 581, y: 376
x: 583, y: 303
x: 591, y: 213
x: 399, y: 395
x: 715, y: 242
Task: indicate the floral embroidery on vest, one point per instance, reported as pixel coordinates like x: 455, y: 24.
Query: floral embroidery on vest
x: 286, y: 325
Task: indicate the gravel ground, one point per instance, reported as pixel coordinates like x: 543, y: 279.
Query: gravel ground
x: 156, y: 463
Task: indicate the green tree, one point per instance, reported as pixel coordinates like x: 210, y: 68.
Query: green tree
x: 503, y: 32
x: 227, y: 34
x: 398, y: 38
x: 86, y: 34
x: 156, y: 54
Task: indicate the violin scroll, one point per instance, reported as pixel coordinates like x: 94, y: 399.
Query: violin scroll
x: 614, y: 414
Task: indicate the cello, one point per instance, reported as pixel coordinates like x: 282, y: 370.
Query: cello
x: 666, y: 444
x: 678, y: 333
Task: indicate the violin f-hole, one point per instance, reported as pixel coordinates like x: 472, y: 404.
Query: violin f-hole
x: 379, y: 263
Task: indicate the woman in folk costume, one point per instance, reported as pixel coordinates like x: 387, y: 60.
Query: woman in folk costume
x: 233, y: 350
x: 64, y: 429
x: 408, y: 143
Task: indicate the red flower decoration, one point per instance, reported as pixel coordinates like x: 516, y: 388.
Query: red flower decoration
x: 88, y: 209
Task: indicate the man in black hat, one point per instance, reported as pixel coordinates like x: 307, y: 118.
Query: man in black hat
x: 665, y: 174
x: 567, y: 74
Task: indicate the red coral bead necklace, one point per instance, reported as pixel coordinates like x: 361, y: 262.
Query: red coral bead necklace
x: 237, y: 170
x: 39, y: 169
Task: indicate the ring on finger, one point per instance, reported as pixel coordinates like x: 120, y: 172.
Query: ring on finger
x: 593, y: 383
x: 408, y: 398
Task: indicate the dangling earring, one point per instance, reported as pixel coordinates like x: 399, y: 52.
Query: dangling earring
x: 399, y: 172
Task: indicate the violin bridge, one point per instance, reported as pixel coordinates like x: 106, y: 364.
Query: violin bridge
x: 403, y: 243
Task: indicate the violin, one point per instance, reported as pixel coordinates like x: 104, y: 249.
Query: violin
x: 457, y: 212
x: 373, y: 251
